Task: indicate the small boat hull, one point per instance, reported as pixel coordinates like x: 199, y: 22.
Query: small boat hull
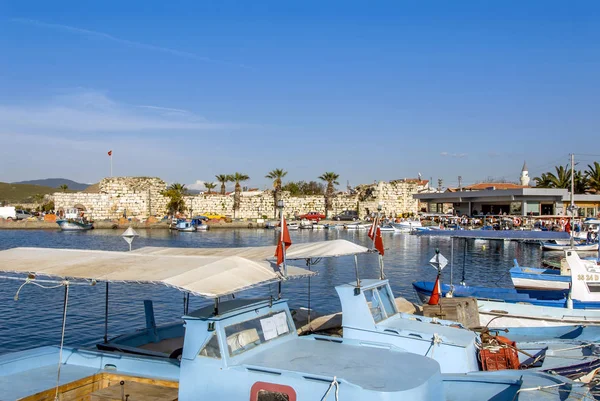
x: 74, y: 225
x: 560, y: 247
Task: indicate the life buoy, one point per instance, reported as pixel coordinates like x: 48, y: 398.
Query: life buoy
x: 517, y: 221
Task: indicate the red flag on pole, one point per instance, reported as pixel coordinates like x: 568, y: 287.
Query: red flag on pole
x: 110, y: 152
x: 371, y: 232
x: 283, y: 241
x: 435, y: 294
x: 379, y: 241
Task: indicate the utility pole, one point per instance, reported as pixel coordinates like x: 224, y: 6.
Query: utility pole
x: 460, y: 183
x: 572, y: 206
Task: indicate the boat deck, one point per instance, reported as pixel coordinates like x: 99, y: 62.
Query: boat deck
x: 31, y: 375
x: 372, y: 373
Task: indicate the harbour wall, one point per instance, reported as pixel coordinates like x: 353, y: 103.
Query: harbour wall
x: 141, y: 197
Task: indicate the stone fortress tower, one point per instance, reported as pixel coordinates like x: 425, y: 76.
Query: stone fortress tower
x: 524, y: 175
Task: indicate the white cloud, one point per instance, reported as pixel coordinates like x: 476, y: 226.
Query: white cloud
x: 93, y: 111
x: 199, y: 185
x: 455, y: 155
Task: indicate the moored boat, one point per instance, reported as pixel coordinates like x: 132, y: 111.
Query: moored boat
x: 249, y: 344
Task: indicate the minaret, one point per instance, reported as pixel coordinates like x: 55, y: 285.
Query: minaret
x: 524, y: 175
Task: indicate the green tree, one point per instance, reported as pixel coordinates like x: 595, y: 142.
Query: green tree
x: 276, y: 175
x: 210, y: 186
x: 63, y: 187
x: 593, y: 177
x: 223, y: 179
x: 543, y: 181
x: 580, y: 182
x: 175, y: 193
x: 238, y: 178
x: 331, y: 179
x: 39, y: 200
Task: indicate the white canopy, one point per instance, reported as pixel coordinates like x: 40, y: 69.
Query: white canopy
x: 208, y: 276
x: 310, y: 250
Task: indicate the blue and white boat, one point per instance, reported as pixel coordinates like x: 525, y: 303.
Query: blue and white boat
x: 241, y: 349
x: 370, y: 315
x: 564, y: 245
x: 185, y: 226
x: 78, y: 224
x: 503, y: 307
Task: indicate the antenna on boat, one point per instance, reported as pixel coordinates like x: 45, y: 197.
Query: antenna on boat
x: 572, y: 205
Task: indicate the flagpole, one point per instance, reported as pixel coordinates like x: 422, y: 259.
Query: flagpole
x: 280, y: 207
x: 111, y: 163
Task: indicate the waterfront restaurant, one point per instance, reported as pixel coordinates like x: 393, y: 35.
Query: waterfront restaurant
x: 523, y: 201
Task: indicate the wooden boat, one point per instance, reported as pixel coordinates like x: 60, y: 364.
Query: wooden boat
x: 251, y: 345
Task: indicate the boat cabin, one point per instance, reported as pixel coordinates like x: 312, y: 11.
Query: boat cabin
x: 372, y: 315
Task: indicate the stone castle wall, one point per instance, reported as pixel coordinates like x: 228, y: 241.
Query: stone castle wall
x: 140, y: 197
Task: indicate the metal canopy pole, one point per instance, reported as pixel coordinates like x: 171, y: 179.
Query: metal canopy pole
x: 357, y: 289
x: 106, y: 315
x: 308, y: 263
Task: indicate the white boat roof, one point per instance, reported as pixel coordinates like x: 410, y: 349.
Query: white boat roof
x: 310, y: 250
x: 207, y: 276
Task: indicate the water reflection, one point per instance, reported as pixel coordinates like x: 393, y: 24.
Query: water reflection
x: 36, y: 318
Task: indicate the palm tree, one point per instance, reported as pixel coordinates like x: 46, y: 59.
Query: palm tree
x: 223, y: 179
x: 593, y: 177
x: 237, y: 178
x: 562, y: 179
x: 210, y: 186
x: 581, y: 182
x: 64, y: 187
x: 175, y: 193
x: 543, y: 181
x: 331, y: 179
x: 276, y: 175
x: 39, y: 200
x: 180, y: 188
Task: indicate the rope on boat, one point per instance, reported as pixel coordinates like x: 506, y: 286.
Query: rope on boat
x: 64, y: 283
x: 62, y: 337
x: 546, y: 390
x: 331, y: 385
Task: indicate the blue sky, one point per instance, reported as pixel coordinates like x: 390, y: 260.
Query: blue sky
x: 370, y: 90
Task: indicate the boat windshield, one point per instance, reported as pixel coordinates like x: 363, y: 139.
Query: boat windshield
x: 246, y: 335
x: 381, y: 303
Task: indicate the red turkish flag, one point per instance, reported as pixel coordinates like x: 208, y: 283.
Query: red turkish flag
x: 283, y: 241
x: 435, y: 294
x: 110, y: 152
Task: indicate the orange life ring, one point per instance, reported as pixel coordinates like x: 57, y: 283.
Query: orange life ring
x: 517, y: 221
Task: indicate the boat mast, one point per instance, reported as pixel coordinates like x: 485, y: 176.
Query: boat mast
x: 572, y: 206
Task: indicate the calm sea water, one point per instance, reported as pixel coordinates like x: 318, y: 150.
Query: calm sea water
x: 36, y: 318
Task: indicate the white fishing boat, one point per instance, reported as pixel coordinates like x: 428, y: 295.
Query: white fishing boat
x: 185, y: 226
x: 408, y: 225
x: 74, y: 220
x: 581, y: 307
x: 357, y: 226
x: 548, y: 246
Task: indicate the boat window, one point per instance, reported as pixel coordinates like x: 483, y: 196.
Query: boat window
x: 262, y: 391
x: 265, y: 395
x: 211, y: 348
x: 249, y: 334
x: 374, y: 304
x: 387, y: 300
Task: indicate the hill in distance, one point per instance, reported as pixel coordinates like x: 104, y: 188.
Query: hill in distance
x: 55, y: 183
x: 15, y: 194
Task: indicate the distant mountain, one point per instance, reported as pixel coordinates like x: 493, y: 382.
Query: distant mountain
x: 15, y: 194
x: 55, y: 183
